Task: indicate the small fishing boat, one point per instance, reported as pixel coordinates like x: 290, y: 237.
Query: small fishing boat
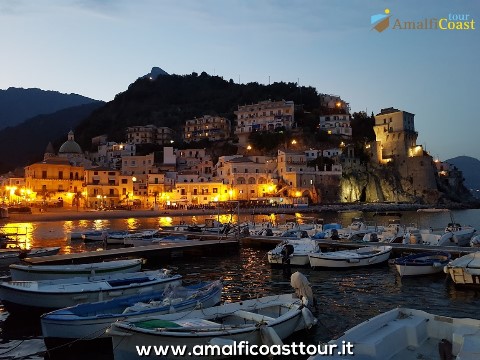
x: 22, y: 272
x: 89, y: 321
x: 60, y: 293
x: 461, y: 234
x: 265, y: 320
x: 94, y: 235
x: 144, y: 241
x: 465, y: 271
x: 425, y: 263
x: 297, y: 253
x: 364, y: 256
x: 407, y: 334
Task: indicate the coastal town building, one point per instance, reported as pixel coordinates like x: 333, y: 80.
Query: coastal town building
x: 333, y: 104
x: 71, y: 151
x: 107, y: 188
x: 247, y: 178
x: 339, y: 124
x: 263, y: 116
x: 110, y: 154
x: 149, y: 134
x: 188, y: 158
x: 206, y: 127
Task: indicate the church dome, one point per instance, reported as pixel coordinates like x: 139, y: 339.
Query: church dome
x: 70, y: 146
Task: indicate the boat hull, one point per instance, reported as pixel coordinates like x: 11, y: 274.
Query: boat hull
x: 125, y: 340
x: 20, y: 296
x: 342, y: 260
x: 71, y: 327
x: 45, y: 272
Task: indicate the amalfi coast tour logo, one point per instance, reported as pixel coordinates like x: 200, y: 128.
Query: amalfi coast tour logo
x: 450, y: 21
x: 380, y: 21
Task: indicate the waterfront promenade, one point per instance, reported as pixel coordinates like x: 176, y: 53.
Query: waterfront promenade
x: 59, y: 214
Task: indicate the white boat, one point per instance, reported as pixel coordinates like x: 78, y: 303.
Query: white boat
x: 408, y: 334
x: 22, y: 272
x: 144, y: 241
x: 60, y: 293
x: 89, y: 321
x: 119, y: 237
x: 425, y: 263
x: 433, y: 210
x: 95, y: 235
x: 465, y: 270
x: 461, y: 234
x: 364, y: 256
x: 298, y: 255
x: 475, y: 241
x: 259, y: 321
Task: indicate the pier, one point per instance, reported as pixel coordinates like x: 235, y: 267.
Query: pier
x: 160, y: 251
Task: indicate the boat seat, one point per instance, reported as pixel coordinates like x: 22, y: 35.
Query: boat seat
x: 247, y: 315
x: 393, y: 337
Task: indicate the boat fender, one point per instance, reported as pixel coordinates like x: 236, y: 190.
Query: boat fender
x: 221, y: 342
x: 308, y: 318
x: 269, y: 336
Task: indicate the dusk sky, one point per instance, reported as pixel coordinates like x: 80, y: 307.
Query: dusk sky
x: 96, y: 48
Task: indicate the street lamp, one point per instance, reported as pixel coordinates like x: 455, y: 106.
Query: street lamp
x: 249, y: 147
x: 294, y: 142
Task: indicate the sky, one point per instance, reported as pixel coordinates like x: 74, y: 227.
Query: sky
x: 96, y: 48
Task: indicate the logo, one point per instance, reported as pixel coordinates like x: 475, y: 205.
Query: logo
x: 381, y: 21
x: 452, y: 21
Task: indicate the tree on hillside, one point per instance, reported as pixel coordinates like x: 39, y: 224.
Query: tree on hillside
x: 362, y: 127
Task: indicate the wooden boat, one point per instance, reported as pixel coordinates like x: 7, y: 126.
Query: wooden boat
x: 60, y: 293
x: 89, y: 321
x: 299, y: 256
x: 465, y: 271
x: 408, y: 334
x: 22, y: 272
x: 425, y: 263
x: 364, y: 256
x: 259, y: 321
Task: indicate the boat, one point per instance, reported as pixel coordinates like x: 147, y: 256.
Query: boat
x: 433, y: 210
x: 298, y: 255
x: 89, y: 321
x: 55, y: 294
x: 424, y: 263
x: 465, y: 271
x: 22, y: 272
x: 119, y: 237
x: 475, y: 241
x: 407, y: 334
x: 15, y: 254
x: 295, y: 234
x: 364, y: 256
x: 461, y: 234
x: 94, y: 235
x: 144, y: 241
x: 265, y: 320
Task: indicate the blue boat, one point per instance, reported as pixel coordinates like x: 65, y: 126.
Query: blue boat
x: 424, y: 263
x: 89, y: 321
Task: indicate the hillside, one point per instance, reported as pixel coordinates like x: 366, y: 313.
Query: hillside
x: 170, y: 100
x: 470, y: 168
x: 25, y: 143
x: 18, y: 105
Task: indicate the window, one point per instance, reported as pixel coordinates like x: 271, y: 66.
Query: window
x: 44, y: 174
x: 112, y: 192
x: 124, y: 181
x: 215, y: 190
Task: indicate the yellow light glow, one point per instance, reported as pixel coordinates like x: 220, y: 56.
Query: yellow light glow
x: 294, y: 142
x: 249, y: 147
x: 329, y: 132
x: 298, y: 194
x: 134, y: 179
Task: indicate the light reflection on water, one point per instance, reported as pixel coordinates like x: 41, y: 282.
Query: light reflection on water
x: 345, y: 298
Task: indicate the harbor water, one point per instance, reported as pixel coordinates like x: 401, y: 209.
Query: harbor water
x: 344, y: 298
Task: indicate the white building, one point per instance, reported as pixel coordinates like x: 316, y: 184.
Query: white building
x: 339, y: 124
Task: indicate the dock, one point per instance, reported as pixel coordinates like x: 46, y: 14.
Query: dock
x: 160, y: 251
x: 333, y: 245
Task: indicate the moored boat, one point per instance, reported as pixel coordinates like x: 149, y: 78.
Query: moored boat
x: 425, y: 263
x: 265, y: 320
x: 89, y: 321
x: 60, y: 293
x: 364, y: 256
x: 465, y: 271
x: 22, y: 272
x: 298, y: 254
x: 407, y: 334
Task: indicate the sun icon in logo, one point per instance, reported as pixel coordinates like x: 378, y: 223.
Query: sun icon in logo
x: 381, y: 21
